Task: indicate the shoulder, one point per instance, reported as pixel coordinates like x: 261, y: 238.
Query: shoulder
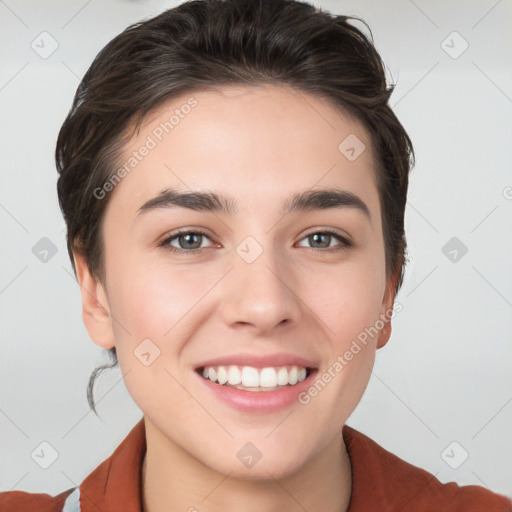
x: 21, y: 501
x: 381, y: 478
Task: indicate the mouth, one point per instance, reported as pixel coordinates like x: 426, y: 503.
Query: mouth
x: 249, y: 378
x: 256, y: 383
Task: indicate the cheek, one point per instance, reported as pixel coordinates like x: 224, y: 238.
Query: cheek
x: 155, y: 300
x: 155, y: 303
x: 349, y: 308
x: 348, y: 300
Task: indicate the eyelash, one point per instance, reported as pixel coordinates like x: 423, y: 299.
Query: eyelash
x: 345, y: 244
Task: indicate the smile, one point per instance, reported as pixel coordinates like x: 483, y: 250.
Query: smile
x: 257, y: 390
x: 255, y: 379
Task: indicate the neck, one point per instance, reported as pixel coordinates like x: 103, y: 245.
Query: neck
x: 174, y: 480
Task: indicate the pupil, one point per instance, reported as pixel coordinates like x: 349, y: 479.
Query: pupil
x: 188, y: 238
x: 317, y: 235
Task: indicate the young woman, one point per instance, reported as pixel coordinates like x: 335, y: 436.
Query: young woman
x: 234, y: 184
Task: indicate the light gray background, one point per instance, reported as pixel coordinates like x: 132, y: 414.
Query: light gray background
x: 445, y: 374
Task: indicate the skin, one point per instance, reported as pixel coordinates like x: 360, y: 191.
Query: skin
x: 259, y: 145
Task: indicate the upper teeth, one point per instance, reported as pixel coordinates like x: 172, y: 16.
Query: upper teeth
x: 255, y: 377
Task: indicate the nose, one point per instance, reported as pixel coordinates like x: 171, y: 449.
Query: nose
x: 261, y: 295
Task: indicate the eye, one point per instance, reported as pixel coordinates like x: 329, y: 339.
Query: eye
x: 188, y: 242
x: 323, y: 240
x: 191, y: 241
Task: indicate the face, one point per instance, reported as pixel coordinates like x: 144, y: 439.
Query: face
x: 256, y: 286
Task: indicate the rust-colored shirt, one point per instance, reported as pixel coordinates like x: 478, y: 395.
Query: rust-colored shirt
x: 381, y: 482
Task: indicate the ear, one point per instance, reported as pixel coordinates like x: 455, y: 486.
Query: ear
x: 95, y: 306
x: 387, y: 307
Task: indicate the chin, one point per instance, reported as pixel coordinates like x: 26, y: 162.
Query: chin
x: 258, y: 460
x: 274, y: 467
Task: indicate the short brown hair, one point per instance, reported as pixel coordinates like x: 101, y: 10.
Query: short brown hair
x: 202, y: 43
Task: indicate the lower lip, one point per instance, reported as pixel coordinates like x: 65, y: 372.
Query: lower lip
x: 258, y: 401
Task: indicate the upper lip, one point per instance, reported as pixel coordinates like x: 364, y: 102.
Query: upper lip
x: 258, y: 361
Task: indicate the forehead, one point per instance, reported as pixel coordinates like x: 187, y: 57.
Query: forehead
x: 256, y: 143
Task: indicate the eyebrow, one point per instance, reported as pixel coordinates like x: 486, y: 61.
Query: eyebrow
x: 308, y: 200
